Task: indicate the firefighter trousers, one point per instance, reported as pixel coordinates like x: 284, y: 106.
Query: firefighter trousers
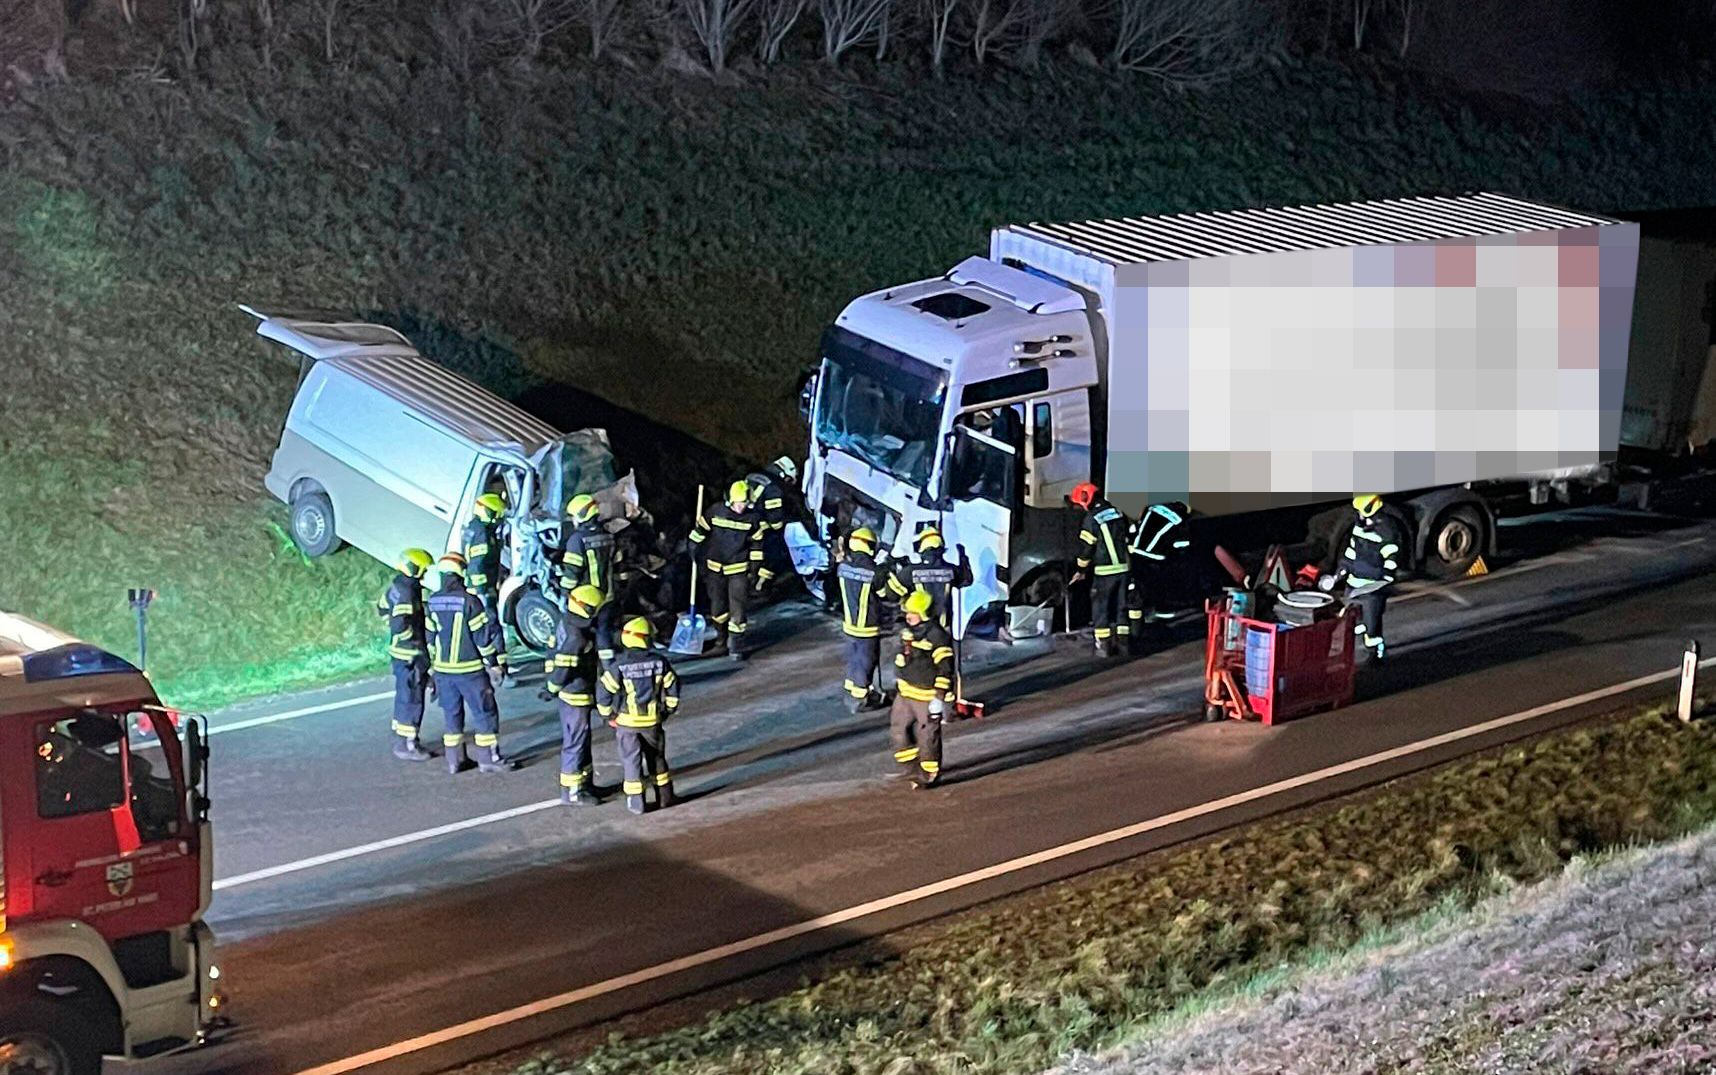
x: 467, y: 696
x: 606, y: 624
x: 1108, y: 605
x: 727, y: 597
x: 863, y: 655
x: 410, y: 682
x: 916, y: 735
x: 575, y: 764
x: 1370, y: 604
x: 643, y: 755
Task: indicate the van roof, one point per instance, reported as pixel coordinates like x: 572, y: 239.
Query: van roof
x: 1185, y: 236
x: 382, y: 358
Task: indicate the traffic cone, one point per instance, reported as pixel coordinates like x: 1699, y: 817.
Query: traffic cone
x: 1478, y: 568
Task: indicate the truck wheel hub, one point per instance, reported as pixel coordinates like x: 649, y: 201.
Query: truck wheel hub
x: 1455, y: 542
x: 32, y: 1054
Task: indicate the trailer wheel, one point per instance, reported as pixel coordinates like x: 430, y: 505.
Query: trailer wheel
x: 313, y: 523
x: 536, y: 620
x: 1456, y: 542
x: 38, y: 1037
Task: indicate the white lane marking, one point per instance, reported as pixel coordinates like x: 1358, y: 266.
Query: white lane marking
x: 383, y: 845
x: 1454, y: 596
x: 294, y: 714
x: 964, y: 880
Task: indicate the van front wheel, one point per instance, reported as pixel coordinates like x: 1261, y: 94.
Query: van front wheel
x: 313, y: 524
x: 536, y: 620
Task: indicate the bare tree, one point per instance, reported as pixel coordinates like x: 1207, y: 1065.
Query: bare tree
x: 997, y: 26
x: 267, y: 14
x: 452, y: 23
x: 528, y: 24
x: 191, y: 15
x: 847, y: 24
x: 938, y: 16
x: 776, y: 19
x: 604, y: 20
x: 1361, y: 21
x: 1408, y: 10
x: 714, y: 23
x: 1189, y: 42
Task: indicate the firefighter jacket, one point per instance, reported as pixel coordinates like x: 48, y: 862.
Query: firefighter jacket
x: 480, y: 544
x: 461, y: 636
x: 1159, y: 533
x: 1103, y: 537
x: 402, y: 605
x: 638, y: 690
x: 924, y: 666
x: 934, y: 574
x: 731, y: 542
x: 860, y: 595
x: 1376, y: 548
x: 589, y: 558
x: 768, y: 493
x: 572, y: 669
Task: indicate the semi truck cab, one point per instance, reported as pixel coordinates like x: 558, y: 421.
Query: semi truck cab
x: 107, y: 865
x: 964, y: 402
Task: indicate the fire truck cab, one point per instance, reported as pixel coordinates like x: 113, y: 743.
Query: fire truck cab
x: 106, y: 862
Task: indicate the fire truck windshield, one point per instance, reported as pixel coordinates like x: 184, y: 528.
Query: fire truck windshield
x: 97, y: 761
x: 880, y: 405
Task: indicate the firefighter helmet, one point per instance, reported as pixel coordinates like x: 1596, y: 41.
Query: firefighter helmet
x: 1083, y: 495
x: 415, y: 562
x: 1367, y: 504
x: 788, y: 469
x: 917, y: 603
x: 862, y: 539
x: 582, y: 508
x: 739, y: 492
x: 490, y: 506
x: 930, y: 538
x: 451, y: 564
x: 636, y: 633
x: 584, y: 600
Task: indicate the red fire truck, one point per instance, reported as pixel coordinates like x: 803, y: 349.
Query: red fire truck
x: 107, y: 862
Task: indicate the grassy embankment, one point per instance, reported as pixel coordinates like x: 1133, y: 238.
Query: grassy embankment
x: 1086, y: 965
x: 669, y: 243
x: 1607, y: 967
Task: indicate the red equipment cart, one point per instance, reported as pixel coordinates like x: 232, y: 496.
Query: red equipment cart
x: 1261, y: 670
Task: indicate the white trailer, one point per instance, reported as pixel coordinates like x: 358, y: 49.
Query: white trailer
x: 1239, y: 361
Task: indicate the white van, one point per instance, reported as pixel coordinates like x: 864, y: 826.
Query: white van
x: 386, y: 450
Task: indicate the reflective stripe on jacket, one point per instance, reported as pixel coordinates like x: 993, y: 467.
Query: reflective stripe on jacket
x: 1376, y: 548
x: 860, y: 600
x: 936, y: 575
x: 924, y: 666
x: 639, y: 690
x: 479, y: 543
x: 402, y: 604
x: 1103, y: 537
x: 729, y: 541
x: 589, y: 558
x: 572, y: 669
x: 1160, y: 533
x: 461, y: 636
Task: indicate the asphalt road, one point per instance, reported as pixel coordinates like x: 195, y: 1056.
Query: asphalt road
x: 364, y: 902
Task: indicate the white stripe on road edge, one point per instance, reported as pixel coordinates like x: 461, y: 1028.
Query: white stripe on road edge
x: 293, y: 714
x: 964, y: 880
x: 383, y: 845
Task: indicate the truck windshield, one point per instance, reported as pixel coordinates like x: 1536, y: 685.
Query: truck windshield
x: 880, y: 405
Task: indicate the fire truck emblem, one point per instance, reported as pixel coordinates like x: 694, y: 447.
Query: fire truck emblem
x: 120, y: 877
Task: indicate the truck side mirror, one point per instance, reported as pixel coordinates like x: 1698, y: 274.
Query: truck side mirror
x: 807, y: 385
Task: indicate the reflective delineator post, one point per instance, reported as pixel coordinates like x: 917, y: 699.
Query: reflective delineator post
x: 1688, y: 679
x: 139, y: 600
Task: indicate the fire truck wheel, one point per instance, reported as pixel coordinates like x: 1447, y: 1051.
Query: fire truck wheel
x: 46, y: 1038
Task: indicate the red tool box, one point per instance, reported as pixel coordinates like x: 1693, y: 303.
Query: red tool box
x: 1257, y: 669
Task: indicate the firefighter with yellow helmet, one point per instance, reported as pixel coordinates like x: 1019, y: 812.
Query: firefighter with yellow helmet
x: 1377, y: 549
x: 729, y: 537
x: 861, y: 595
x: 572, y: 673
x: 402, y: 607
x: 588, y: 559
x: 465, y: 657
x: 636, y: 694
x: 480, y: 543
x: 924, y: 685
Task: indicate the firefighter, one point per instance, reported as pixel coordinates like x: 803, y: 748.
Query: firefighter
x: 729, y: 538
x: 572, y: 681
x: 1159, y: 538
x: 924, y: 673
x: 402, y: 607
x: 464, y: 655
x: 1376, y: 549
x: 480, y: 545
x: 1103, y: 537
x: 635, y: 695
x: 589, y: 559
x: 771, y: 491
x: 930, y: 570
x: 861, y: 595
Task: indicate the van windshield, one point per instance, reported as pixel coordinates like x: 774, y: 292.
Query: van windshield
x: 580, y: 462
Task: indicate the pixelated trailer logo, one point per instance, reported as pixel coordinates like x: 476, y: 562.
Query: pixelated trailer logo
x: 120, y: 877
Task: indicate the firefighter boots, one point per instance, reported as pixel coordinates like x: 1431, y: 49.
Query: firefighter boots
x: 456, y: 760
x: 635, y: 803
x: 578, y: 797
x: 409, y: 750
x: 664, y: 797
x: 489, y: 760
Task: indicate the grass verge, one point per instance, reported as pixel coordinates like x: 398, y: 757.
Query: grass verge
x: 1082, y: 966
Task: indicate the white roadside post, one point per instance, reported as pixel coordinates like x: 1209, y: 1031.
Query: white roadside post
x: 1688, y: 680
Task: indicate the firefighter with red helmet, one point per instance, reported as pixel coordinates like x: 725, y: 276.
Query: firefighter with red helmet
x: 1102, y: 536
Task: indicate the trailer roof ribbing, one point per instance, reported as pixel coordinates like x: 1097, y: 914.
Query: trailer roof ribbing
x: 1184, y: 236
